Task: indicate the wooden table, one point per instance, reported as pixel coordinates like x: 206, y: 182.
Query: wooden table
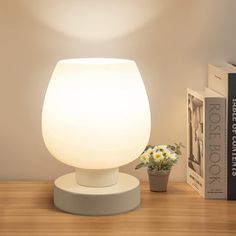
x: 26, y: 208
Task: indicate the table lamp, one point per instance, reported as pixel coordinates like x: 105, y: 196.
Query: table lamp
x: 96, y: 118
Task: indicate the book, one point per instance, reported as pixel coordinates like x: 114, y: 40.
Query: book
x: 223, y: 80
x: 206, y: 165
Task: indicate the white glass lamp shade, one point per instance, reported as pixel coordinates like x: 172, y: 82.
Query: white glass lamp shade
x: 96, y: 113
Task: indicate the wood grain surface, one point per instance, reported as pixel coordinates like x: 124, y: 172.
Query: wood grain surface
x: 26, y: 208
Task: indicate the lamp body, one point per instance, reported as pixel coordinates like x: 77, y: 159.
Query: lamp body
x: 96, y: 117
x: 96, y: 113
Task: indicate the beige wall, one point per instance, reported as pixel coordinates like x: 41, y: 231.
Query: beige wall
x: 171, y: 41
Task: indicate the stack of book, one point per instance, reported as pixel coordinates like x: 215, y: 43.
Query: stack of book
x: 211, y: 135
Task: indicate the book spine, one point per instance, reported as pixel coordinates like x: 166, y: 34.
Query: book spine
x: 231, y: 138
x: 215, y: 151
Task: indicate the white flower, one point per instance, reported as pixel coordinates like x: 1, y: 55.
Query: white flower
x: 172, y: 156
x: 157, y: 156
x: 149, y: 151
x: 166, y: 152
x: 162, y: 148
x: 145, y: 158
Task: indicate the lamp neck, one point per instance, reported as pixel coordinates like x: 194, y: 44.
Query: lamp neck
x: 97, y: 178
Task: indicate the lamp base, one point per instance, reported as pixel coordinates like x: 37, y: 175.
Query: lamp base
x: 77, y: 199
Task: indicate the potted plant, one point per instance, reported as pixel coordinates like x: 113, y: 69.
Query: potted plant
x: 159, y: 160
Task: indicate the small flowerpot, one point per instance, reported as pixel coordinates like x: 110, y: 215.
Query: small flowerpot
x: 158, y: 180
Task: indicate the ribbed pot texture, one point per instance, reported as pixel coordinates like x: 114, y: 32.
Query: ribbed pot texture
x: 158, y: 180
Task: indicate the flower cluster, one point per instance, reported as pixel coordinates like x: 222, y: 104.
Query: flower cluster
x: 160, y: 157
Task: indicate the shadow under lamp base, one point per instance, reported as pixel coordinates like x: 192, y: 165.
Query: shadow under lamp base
x: 121, y: 197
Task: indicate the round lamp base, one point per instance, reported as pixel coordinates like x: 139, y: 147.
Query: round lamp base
x: 77, y: 199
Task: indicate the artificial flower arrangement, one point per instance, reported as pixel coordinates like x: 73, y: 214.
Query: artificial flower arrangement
x: 160, y: 157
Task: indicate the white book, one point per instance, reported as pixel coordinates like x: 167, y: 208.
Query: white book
x: 206, y: 165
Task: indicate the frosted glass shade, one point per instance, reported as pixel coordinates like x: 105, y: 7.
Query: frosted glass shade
x: 96, y: 113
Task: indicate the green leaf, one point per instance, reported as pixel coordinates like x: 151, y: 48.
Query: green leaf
x: 140, y: 165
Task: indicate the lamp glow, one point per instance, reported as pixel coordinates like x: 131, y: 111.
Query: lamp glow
x: 96, y: 117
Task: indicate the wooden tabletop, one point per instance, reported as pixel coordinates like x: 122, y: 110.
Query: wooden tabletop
x: 26, y: 208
